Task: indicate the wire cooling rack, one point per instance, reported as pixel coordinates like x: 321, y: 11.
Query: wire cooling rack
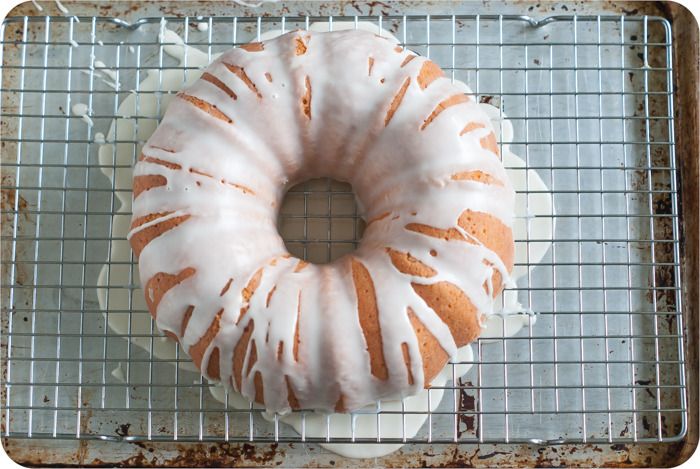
x: 590, y: 99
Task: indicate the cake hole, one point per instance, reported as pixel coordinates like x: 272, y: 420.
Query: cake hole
x: 319, y: 220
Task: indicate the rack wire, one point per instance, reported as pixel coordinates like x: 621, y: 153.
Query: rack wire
x: 590, y: 99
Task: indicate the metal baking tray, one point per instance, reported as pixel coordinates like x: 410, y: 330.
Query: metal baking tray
x: 600, y: 376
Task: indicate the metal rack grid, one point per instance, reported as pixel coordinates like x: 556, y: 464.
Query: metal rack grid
x: 590, y: 99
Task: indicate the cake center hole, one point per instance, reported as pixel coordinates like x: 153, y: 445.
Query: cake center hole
x: 319, y: 220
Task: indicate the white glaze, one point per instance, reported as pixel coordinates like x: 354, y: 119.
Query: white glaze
x: 106, y: 71
x: 253, y: 4
x: 118, y: 373
x: 106, y: 80
x: 60, y: 6
x: 119, y: 301
x: 37, y: 6
x: 79, y: 109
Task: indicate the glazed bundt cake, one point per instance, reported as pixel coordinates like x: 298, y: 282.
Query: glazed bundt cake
x: 380, y: 322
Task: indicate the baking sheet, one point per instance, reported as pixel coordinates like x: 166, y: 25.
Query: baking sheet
x: 569, y: 299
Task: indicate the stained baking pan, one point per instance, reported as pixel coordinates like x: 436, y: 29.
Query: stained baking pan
x: 602, y: 111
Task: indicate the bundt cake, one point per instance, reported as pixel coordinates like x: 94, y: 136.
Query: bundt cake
x: 423, y: 161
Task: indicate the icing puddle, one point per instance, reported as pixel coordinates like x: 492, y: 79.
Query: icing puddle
x: 533, y: 217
